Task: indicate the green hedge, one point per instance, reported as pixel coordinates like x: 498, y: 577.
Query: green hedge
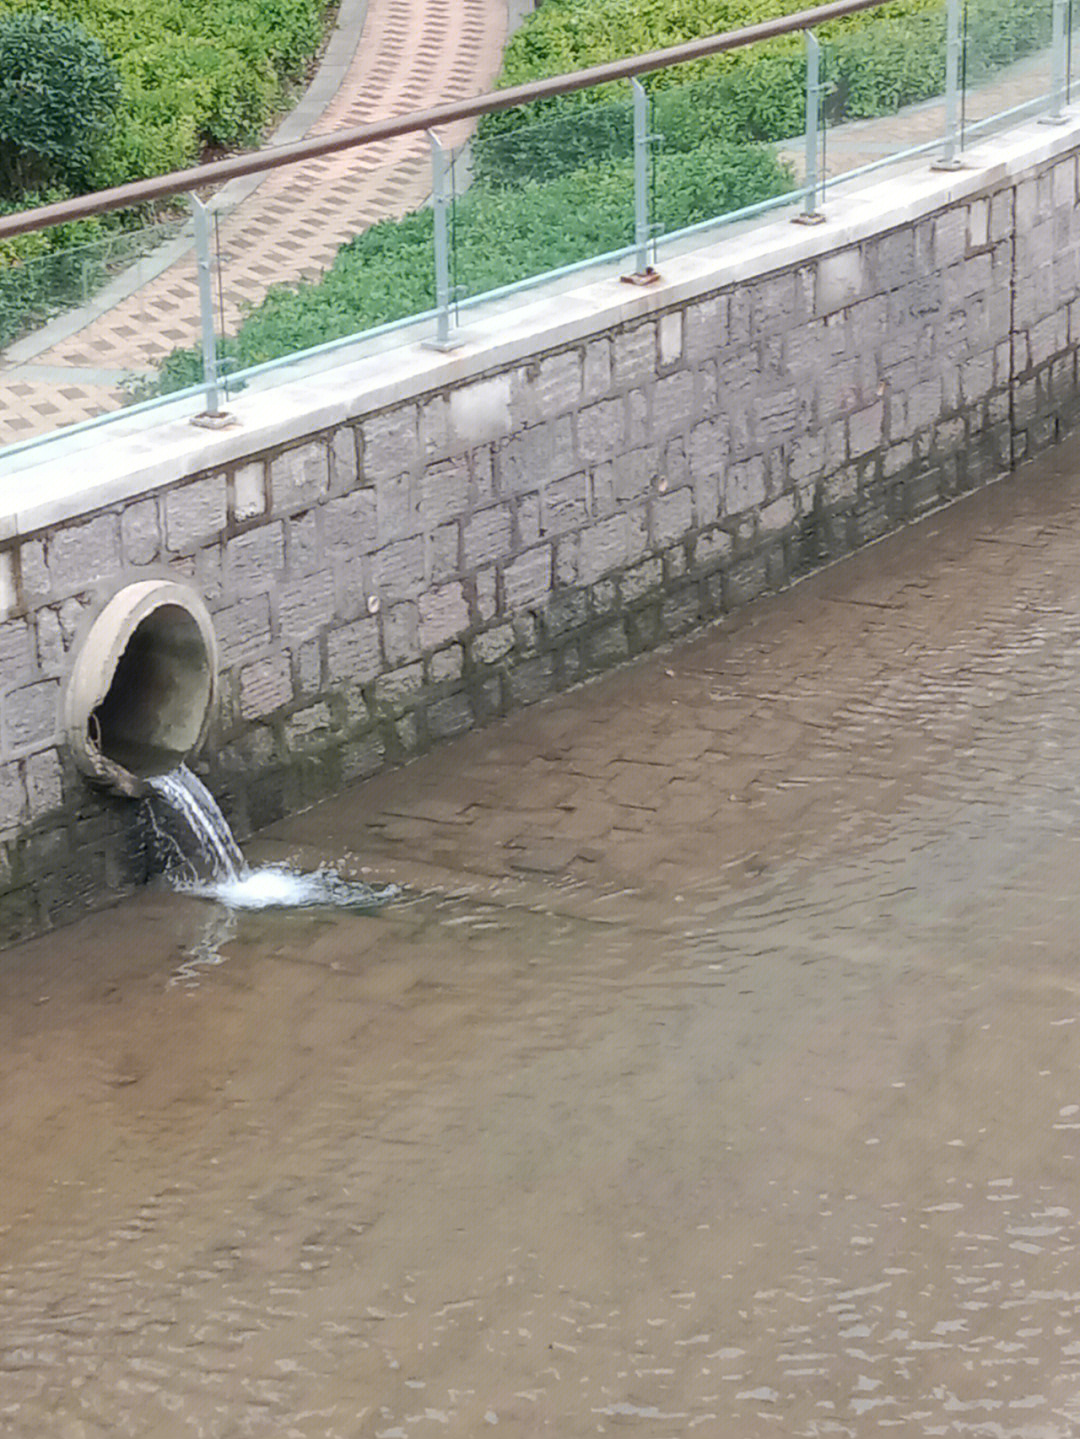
x: 193, y: 72
x: 875, y: 62
x: 500, y: 235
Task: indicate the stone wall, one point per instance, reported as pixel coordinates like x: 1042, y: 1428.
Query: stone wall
x: 508, y: 526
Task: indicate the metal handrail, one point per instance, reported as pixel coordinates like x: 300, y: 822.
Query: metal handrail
x: 139, y: 192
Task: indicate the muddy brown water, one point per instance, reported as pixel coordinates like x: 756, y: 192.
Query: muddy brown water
x: 716, y: 1071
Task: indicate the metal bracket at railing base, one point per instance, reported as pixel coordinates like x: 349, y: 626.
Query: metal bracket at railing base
x: 648, y: 276
x: 452, y: 341
x: 1061, y: 119
x: 947, y: 165
x: 221, y: 420
x: 814, y: 218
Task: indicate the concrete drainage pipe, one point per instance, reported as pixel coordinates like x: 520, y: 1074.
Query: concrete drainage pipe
x: 142, y: 689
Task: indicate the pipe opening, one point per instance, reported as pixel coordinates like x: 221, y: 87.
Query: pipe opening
x: 153, y: 711
x: 142, y: 690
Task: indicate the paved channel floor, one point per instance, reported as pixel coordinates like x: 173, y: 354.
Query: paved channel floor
x: 717, y: 1072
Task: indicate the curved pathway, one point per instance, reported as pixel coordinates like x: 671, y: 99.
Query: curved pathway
x: 411, y: 54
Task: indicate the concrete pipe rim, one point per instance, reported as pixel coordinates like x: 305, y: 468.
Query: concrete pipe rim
x: 141, y: 694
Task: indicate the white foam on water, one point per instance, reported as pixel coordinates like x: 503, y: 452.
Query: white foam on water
x: 279, y: 887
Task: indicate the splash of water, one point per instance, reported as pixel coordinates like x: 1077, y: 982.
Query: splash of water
x: 232, y: 882
x: 188, y: 797
x: 281, y: 887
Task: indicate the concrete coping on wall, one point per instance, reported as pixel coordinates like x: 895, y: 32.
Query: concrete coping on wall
x: 140, y: 454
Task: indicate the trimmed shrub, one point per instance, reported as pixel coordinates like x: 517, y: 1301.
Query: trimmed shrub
x: 58, y: 95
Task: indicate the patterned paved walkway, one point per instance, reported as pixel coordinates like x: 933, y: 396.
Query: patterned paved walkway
x: 413, y: 53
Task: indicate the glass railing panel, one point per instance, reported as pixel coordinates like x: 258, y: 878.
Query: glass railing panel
x: 537, y: 191
x: 1010, y: 67
x: 77, y: 319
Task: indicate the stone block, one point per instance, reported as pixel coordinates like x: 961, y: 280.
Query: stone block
x: 140, y: 532
x: 265, y: 686
x: 31, y: 716
x: 243, y: 630
x: 641, y: 580
x: 777, y: 516
x: 249, y: 490
x: 444, y: 491
x: 299, y: 477
x: 526, y: 528
x: 565, y: 505
x: 256, y: 560
x: 485, y: 536
x: 866, y: 429
x: 449, y: 716
x: 390, y: 444
x: 705, y: 327
x: 304, y: 607
x: 673, y: 403
x: 397, y: 508
x: 434, y: 431
x: 343, y: 460
x: 44, y: 779
x: 444, y: 553
x: 401, y: 633
x: 399, y: 570
x: 672, y: 517
x: 841, y: 280
x: 600, y: 431
x: 526, y: 581
x: 711, y: 547
x: 19, y: 653
x: 603, y: 548
x: 353, y: 654
x: 446, y: 664
x: 743, y: 486
x: 81, y: 555
x: 596, y: 369
x: 399, y: 687
x: 444, y: 614
x: 669, y: 335
x: 492, y: 645
x: 349, y: 523
x: 634, y: 355
x: 532, y: 680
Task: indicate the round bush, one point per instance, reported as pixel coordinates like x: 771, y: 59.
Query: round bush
x: 58, y: 94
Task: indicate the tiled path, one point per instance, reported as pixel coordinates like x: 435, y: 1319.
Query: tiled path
x: 413, y: 53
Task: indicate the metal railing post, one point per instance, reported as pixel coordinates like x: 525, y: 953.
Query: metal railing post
x: 1058, y: 43
x: 444, y: 339
x: 642, y: 234
x: 204, y: 263
x: 813, y: 177
x: 948, y: 159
